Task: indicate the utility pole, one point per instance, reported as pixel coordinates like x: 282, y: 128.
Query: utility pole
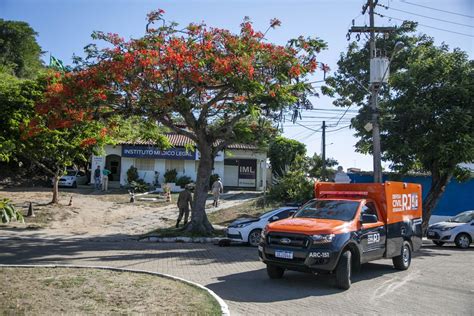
x: 374, y: 87
x: 323, y: 154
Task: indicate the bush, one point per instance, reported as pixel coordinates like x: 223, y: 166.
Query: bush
x: 170, y: 176
x: 213, y: 178
x: 8, y: 212
x: 132, y: 175
x: 139, y: 186
x: 183, y: 181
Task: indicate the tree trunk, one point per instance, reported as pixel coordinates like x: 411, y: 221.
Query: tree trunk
x: 438, y: 185
x: 199, y: 222
x: 56, y: 178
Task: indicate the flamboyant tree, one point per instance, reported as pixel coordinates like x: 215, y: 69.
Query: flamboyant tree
x: 208, y: 78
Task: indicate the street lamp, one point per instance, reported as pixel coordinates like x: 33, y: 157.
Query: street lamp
x: 379, y: 71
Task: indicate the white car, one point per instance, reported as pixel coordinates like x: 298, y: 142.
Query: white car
x: 459, y: 229
x: 72, y: 178
x: 248, y: 229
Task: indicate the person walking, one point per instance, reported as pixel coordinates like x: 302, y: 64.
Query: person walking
x: 97, y: 176
x: 105, y: 179
x: 217, y: 189
x: 185, y: 202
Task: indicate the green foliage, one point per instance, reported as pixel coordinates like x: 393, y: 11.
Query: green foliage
x: 132, y: 174
x: 183, y: 181
x: 170, y: 176
x: 139, y: 185
x: 213, y: 178
x: 294, y: 186
x: 315, y: 167
x: 282, y: 154
x: 19, y: 52
x: 8, y: 212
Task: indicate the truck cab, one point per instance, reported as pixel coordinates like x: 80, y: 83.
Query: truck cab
x: 345, y: 226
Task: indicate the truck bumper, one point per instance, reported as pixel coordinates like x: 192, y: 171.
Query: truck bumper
x: 313, y: 259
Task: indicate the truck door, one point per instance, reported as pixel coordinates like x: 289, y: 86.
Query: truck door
x: 372, y: 235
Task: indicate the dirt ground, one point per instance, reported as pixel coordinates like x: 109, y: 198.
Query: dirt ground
x: 95, y: 213
x: 40, y: 291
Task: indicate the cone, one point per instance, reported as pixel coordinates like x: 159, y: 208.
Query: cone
x: 132, y: 198
x: 70, y: 202
x: 31, y: 212
x: 168, y: 196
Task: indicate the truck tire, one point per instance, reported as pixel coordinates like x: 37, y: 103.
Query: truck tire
x: 343, y: 271
x: 462, y: 241
x: 402, y: 262
x: 438, y: 243
x: 254, y: 237
x: 275, y: 272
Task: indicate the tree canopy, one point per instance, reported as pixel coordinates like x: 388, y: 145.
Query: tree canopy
x: 208, y: 78
x: 426, y: 111
x: 19, y: 52
x: 283, y: 152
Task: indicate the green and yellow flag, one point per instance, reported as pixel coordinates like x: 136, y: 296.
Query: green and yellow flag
x: 56, y: 63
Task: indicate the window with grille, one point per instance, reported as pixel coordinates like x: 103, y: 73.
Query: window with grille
x: 145, y: 164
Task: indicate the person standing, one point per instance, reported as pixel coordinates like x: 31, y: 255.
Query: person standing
x: 105, y: 179
x: 217, y: 189
x: 185, y: 202
x: 97, y: 176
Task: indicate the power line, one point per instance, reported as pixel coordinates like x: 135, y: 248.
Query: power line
x: 432, y: 27
x: 424, y: 16
x: 338, y: 129
x: 431, y: 8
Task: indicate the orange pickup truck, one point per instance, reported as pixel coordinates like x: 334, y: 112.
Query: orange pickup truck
x: 344, y: 226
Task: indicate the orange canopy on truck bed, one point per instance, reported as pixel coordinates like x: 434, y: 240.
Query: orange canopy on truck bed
x: 398, y: 201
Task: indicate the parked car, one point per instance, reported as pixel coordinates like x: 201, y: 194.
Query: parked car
x: 72, y: 178
x: 249, y: 229
x: 459, y: 229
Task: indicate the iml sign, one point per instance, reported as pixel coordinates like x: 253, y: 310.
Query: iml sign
x: 247, y: 169
x: 404, y: 202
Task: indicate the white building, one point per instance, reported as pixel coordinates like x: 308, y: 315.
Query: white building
x: 240, y: 166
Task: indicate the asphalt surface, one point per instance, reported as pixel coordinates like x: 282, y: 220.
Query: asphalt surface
x: 440, y: 281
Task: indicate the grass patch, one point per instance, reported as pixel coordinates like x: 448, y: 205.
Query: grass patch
x: 40, y: 291
x: 249, y: 208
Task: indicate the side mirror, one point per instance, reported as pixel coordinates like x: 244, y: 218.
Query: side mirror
x: 368, y: 218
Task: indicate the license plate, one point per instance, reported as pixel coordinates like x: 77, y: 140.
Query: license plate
x: 284, y: 254
x: 431, y: 233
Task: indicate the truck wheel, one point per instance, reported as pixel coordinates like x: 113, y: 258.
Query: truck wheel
x: 402, y: 262
x: 438, y: 243
x: 343, y: 271
x: 274, y: 272
x: 463, y: 240
x: 254, y: 237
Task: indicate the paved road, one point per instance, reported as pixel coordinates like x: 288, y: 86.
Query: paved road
x: 440, y: 280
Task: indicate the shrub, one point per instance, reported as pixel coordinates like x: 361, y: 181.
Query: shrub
x: 183, y: 181
x: 170, y: 176
x: 139, y: 186
x: 8, y: 212
x: 132, y: 174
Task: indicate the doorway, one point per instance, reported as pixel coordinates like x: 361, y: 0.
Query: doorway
x: 112, y: 163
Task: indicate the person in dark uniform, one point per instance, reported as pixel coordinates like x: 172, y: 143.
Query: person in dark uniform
x: 185, y: 202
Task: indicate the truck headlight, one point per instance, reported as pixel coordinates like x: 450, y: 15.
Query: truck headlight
x: 322, y: 239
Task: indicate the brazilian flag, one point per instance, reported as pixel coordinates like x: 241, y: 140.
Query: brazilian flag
x: 56, y: 63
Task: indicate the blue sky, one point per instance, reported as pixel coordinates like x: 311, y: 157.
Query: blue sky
x: 64, y: 28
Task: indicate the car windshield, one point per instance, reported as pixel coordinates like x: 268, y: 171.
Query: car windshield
x: 329, y: 209
x: 70, y: 173
x: 462, y: 218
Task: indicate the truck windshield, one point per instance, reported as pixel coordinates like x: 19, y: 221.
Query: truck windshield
x: 327, y: 209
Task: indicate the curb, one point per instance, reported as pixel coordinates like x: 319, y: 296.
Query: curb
x: 224, y: 308
x: 198, y: 240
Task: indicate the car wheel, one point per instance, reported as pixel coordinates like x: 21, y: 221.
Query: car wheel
x: 275, y: 272
x: 438, y: 243
x: 463, y: 240
x: 74, y: 184
x: 402, y: 262
x: 343, y: 271
x: 254, y: 237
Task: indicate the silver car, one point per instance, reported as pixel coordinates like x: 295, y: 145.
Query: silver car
x: 459, y: 229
